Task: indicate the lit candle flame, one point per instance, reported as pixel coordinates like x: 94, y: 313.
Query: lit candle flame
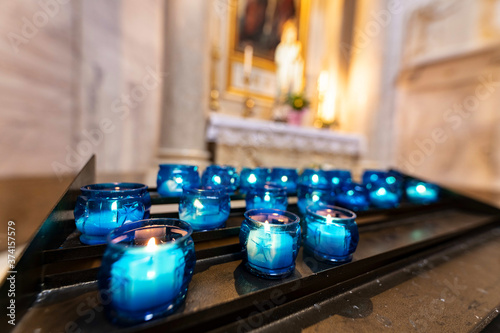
x: 267, y: 226
x: 329, y: 219
x: 151, y: 244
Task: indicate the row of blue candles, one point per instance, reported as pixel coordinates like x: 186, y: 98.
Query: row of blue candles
x: 152, y: 257
x: 148, y: 264
x: 103, y: 207
x: 381, y: 189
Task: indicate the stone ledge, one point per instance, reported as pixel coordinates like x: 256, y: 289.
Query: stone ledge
x: 245, y: 132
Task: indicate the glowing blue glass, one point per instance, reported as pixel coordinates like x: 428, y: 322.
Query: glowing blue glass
x: 103, y: 207
x: 221, y: 175
x: 331, y: 233
x: 205, y: 207
x: 353, y: 196
x: 314, y: 194
x: 268, y: 196
x: 286, y: 177
x: 371, y: 176
x: 421, y: 192
x: 383, y: 194
x: 313, y: 177
x: 173, y: 177
x: 146, y: 269
x: 337, y: 178
x: 253, y: 178
x: 270, y: 240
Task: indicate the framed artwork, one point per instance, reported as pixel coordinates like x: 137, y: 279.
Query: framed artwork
x: 259, y: 23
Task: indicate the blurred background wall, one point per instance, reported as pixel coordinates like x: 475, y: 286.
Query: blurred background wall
x: 129, y: 81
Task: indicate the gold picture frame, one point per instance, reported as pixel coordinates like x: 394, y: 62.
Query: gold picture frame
x: 263, y: 65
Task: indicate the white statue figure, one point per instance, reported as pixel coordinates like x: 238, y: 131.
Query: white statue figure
x: 289, y: 62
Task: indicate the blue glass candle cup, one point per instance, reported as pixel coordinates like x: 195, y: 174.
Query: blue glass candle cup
x: 313, y: 177
x: 221, y: 175
x: 331, y: 233
x: 146, y: 269
x: 371, y: 176
x: 173, y: 177
x: 270, y: 240
x: 384, y: 195
x: 337, y: 178
x: 314, y: 194
x: 253, y: 178
x: 268, y: 196
x: 420, y: 192
x: 103, y: 207
x: 204, y: 207
x: 392, y: 178
x: 286, y: 177
x: 353, y: 196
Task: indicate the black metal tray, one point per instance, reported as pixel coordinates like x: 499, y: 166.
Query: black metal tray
x: 56, y: 274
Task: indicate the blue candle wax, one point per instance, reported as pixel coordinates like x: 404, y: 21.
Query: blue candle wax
x: 147, y: 277
x: 205, y: 207
x: 331, y: 233
x: 269, y: 249
x: 146, y: 269
x: 422, y: 192
x: 384, y: 195
x: 270, y: 242
x: 268, y: 196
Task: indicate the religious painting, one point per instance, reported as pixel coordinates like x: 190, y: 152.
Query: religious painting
x: 260, y: 23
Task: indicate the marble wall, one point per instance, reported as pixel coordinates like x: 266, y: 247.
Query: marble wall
x: 448, y: 93
x: 37, y: 85
x: 79, y: 77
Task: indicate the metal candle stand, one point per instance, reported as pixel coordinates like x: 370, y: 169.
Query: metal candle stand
x: 59, y: 273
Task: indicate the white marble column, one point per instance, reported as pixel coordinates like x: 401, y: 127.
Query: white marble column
x: 186, y: 84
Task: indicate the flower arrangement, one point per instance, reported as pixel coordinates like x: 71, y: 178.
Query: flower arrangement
x: 297, y: 101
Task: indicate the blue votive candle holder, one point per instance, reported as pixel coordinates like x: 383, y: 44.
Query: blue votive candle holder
x: 103, y: 207
x: 146, y: 269
x: 221, y: 175
x: 173, y: 177
x: 314, y: 194
x: 337, y: 178
x: 286, y: 177
x: 384, y: 195
x: 371, y: 176
x: 253, y: 178
x: 353, y: 196
x: 313, y: 177
x: 331, y: 233
x: 204, y: 207
x: 268, y: 196
x: 420, y: 192
x: 270, y: 242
